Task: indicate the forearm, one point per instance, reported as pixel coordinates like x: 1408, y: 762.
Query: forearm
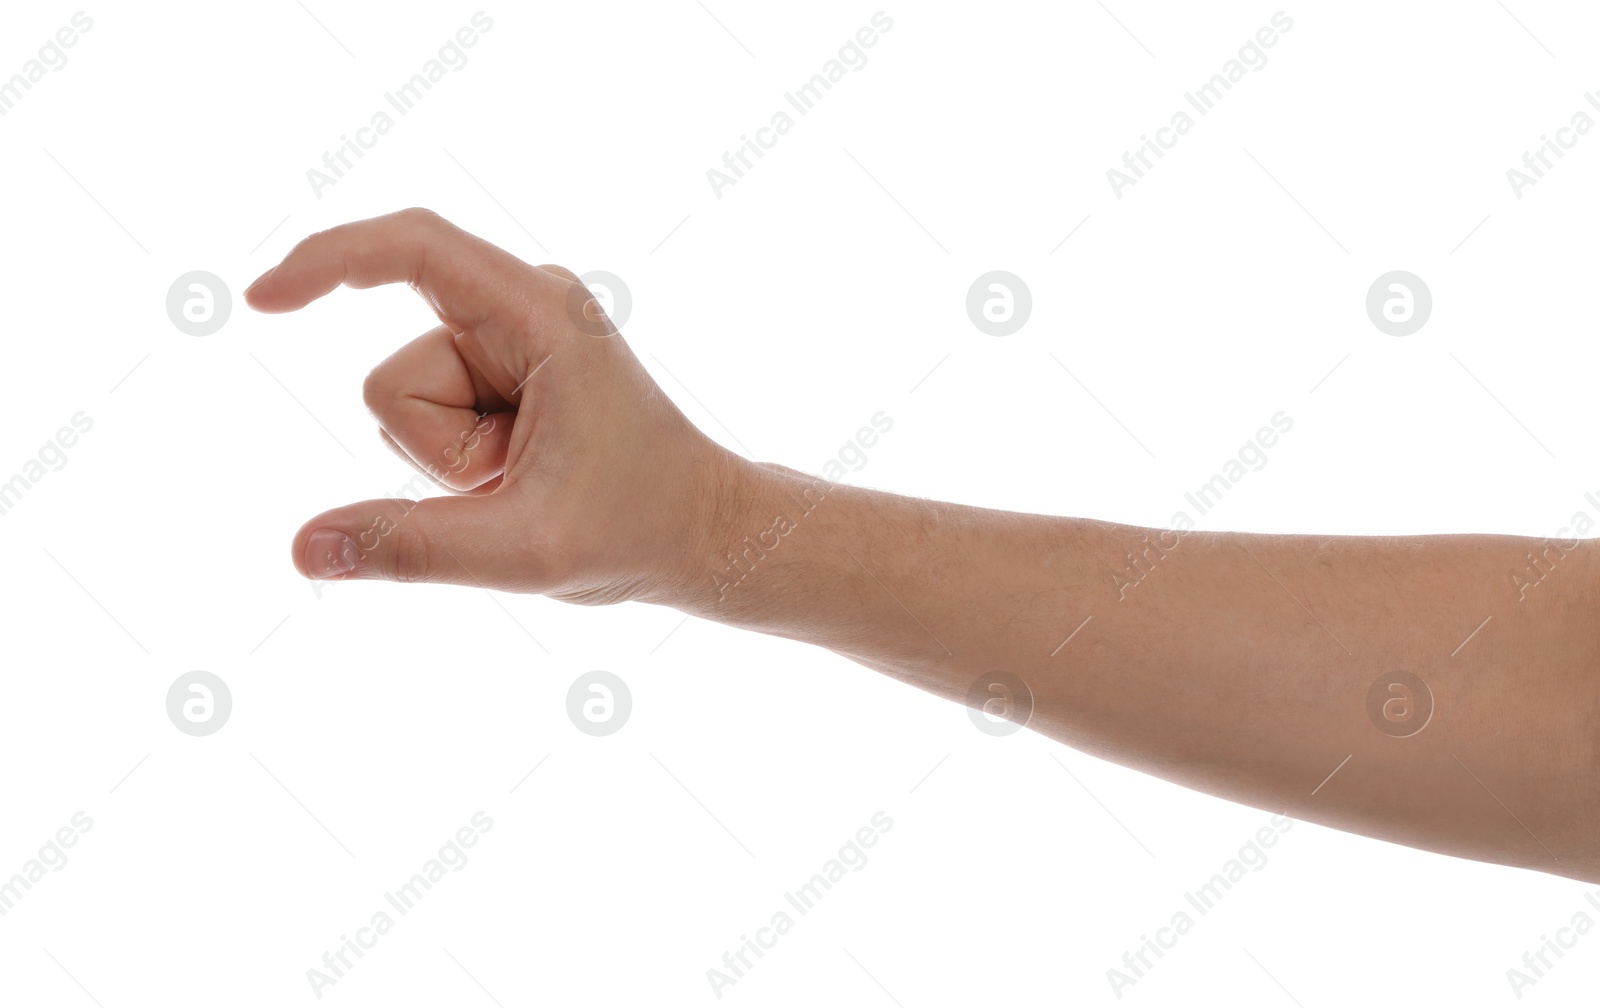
x: 1235, y: 664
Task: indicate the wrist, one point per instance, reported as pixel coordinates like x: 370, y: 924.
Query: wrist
x: 743, y: 530
x: 727, y: 497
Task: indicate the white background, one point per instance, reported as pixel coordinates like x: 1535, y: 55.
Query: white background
x: 371, y: 722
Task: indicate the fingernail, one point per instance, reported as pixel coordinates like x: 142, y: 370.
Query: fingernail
x: 257, y: 281
x: 330, y: 553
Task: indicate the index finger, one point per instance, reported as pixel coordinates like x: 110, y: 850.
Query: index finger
x: 465, y: 279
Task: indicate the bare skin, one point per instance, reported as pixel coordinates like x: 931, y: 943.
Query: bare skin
x: 1241, y: 665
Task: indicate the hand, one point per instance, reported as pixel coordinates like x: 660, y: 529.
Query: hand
x: 575, y: 476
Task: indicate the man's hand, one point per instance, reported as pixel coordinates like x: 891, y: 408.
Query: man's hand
x: 1243, y: 668
x: 576, y: 477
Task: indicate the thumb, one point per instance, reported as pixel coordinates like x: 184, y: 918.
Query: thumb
x: 474, y: 541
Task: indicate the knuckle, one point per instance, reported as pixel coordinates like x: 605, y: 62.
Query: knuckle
x: 409, y: 558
